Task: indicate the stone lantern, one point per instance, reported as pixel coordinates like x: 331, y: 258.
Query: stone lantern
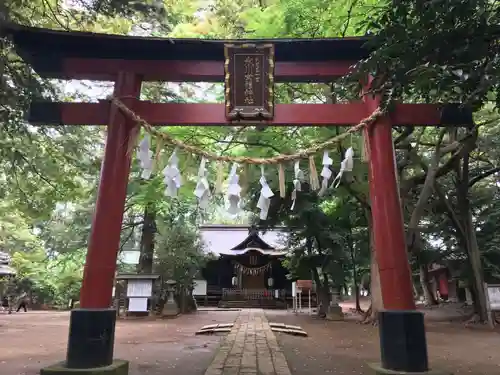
x: 170, y: 309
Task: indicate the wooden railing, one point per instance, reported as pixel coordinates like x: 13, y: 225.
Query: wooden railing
x: 249, y: 294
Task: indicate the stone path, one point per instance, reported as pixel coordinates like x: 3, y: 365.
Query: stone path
x: 250, y: 348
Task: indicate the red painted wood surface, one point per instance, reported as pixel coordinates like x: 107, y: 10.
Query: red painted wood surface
x: 443, y: 284
x: 305, y: 285
x: 197, y: 71
x: 387, y: 218
x: 213, y: 114
x: 104, y: 241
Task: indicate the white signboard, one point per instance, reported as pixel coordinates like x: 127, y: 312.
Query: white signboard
x: 138, y: 304
x: 200, y: 288
x: 294, y: 288
x: 139, y: 288
x: 129, y: 257
x: 494, y: 297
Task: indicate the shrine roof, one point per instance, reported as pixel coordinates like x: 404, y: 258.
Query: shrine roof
x: 6, y: 270
x: 4, y: 258
x: 238, y: 240
x: 40, y: 46
x: 253, y: 240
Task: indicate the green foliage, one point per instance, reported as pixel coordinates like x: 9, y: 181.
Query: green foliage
x: 179, y: 253
x: 323, y: 236
x: 437, y: 50
x: 53, y: 281
x: 444, y: 50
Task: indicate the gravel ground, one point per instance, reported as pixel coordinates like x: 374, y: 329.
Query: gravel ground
x: 347, y: 347
x: 32, y: 340
x: 165, y: 347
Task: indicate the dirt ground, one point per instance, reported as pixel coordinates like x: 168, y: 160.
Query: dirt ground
x: 32, y: 340
x: 347, y: 347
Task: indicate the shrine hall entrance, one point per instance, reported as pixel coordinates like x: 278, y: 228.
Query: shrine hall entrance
x: 253, y: 276
x: 253, y: 281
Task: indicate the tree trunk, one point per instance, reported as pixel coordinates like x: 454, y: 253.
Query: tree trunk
x: 352, y: 252
x: 183, y: 300
x: 11, y: 305
x: 480, y: 302
x: 354, y: 273
x: 323, y: 293
x: 324, y: 301
x: 469, y: 236
x: 377, y: 302
x: 356, y: 295
x: 147, y: 241
x: 415, y: 292
x: 466, y: 237
x: 375, y: 287
x: 414, y: 239
x: 430, y: 298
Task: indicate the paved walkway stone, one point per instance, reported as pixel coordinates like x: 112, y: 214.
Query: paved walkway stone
x: 250, y: 348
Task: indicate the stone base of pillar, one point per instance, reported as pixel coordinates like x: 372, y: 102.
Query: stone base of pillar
x: 170, y: 309
x: 118, y: 367
x: 379, y: 370
x: 334, y: 313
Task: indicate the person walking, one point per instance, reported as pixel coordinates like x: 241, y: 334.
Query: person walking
x: 23, y: 302
x: 5, y: 304
x: 11, y: 292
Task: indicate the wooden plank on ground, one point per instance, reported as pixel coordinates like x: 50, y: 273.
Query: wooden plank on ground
x: 293, y: 327
x: 295, y: 332
x: 281, y: 325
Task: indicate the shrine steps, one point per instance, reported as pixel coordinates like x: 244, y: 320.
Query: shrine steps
x: 254, y: 303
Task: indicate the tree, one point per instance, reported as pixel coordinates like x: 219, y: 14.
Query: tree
x: 319, y: 236
x: 179, y: 256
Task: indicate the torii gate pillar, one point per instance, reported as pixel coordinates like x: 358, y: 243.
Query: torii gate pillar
x: 401, y: 328
x: 92, y: 326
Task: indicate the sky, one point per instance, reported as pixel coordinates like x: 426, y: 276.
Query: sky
x: 100, y: 90
x: 95, y: 90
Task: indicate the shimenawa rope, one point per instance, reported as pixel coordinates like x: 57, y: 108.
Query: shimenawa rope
x: 303, y: 154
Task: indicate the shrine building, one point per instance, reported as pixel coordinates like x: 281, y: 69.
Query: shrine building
x: 248, y: 270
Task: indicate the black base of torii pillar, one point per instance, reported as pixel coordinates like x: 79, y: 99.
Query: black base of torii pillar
x: 403, y: 345
x: 90, y: 345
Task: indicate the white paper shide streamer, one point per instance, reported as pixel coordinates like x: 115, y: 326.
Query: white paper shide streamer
x: 346, y: 166
x: 233, y: 191
x: 145, y: 156
x: 172, y: 176
x: 326, y: 173
x: 297, y: 182
x: 202, y: 190
x: 265, y: 196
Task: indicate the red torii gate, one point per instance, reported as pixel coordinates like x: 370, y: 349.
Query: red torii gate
x: 129, y: 61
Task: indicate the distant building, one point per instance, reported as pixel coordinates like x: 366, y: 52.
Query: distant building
x: 5, y: 269
x: 248, y: 270
x: 445, y: 281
